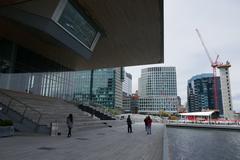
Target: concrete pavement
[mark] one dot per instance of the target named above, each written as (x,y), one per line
(99,144)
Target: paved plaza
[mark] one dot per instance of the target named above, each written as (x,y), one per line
(111,143)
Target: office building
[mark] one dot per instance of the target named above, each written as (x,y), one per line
(107,87)
(127,92)
(101,86)
(131,103)
(127,84)
(135,102)
(158,90)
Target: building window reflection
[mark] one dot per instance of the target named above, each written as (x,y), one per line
(78,26)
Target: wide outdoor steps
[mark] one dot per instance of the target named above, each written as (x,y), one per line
(52,110)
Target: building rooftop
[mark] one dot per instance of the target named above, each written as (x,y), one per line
(208,113)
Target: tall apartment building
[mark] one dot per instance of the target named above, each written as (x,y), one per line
(200,93)
(226,90)
(158,90)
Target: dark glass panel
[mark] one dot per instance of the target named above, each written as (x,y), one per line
(77,25)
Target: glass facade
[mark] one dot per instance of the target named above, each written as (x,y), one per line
(83,86)
(127,84)
(51,84)
(107,87)
(77,25)
(25,71)
(127,92)
(17,59)
(103,90)
(201,93)
(99,86)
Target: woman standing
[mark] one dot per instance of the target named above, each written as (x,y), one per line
(70,124)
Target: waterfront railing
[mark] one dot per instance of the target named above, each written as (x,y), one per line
(211,122)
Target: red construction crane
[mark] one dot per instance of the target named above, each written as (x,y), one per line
(214,65)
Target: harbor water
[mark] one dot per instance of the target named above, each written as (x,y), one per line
(203,144)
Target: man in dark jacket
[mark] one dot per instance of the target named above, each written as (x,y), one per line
(70,124)
(129,123)
(145,122)
(149,125)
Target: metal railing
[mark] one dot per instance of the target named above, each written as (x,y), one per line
(23,109)
(211,122)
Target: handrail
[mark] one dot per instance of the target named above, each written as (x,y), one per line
(25,105)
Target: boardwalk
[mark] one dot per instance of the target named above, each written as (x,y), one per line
(98,144)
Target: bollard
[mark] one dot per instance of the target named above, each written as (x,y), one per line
(54,128)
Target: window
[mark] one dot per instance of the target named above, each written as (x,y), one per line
(78,26)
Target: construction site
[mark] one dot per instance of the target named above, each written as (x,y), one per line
(225,89)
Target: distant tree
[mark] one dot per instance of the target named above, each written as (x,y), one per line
(164,114)
(173,118)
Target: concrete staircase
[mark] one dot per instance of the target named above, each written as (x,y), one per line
(97,111)
(42,111)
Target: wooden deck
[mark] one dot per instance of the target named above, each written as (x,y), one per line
(98,144)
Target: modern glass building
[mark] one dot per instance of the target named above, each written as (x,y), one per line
(107,87)
(200,92)
(127,84)
(83,85)
(101,86)
(158,90)
(127,92)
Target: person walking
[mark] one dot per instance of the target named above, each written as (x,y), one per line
(69,124)
(129,123)
(149,125)
(145,121)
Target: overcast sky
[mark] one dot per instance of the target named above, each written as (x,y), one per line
(219,24)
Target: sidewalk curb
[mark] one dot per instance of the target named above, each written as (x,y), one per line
(165,144)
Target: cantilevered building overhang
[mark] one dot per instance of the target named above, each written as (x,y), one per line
(87,34)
